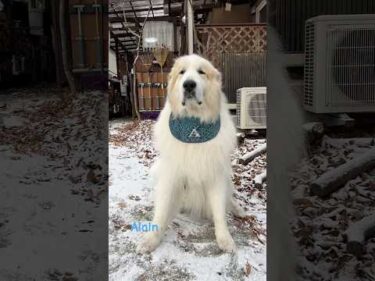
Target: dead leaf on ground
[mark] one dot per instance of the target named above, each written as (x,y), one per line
(247,269)
(121,205)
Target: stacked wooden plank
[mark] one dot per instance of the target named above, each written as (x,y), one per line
(89,35)
(152,90)
(152,80)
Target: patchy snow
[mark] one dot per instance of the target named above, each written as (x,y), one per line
(357,231)
(188,250)
(321,224)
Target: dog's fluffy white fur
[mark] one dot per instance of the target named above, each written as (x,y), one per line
(193,178)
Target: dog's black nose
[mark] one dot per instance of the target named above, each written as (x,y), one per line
(189,85)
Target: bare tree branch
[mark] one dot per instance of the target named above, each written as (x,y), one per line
(134,63)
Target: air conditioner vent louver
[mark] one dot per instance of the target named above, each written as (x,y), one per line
(309,63)
(340,64)
(251,108)
(257,108)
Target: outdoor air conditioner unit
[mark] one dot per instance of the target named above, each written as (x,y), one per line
(340,64)
(251,108)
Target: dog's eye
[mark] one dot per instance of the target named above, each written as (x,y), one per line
(182,72)
(200,71)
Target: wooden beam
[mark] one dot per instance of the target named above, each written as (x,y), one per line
(133,20)
(121,33)
(152,10)
(122,22)
(114,36)
(198,9)
(138,10)
(118,28)
(124,35)
(124,38)
(135,14)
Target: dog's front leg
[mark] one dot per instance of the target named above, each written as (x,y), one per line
(217,200)
(166,205)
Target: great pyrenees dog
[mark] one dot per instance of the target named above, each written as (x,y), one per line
(195,137)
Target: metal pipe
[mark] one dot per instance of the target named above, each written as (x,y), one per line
(190,23)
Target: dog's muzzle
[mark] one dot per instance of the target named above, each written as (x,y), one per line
(189,91)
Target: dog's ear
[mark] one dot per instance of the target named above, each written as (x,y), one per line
(172,76)
(213,73)
(218,75)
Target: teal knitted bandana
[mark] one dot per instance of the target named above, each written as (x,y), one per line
(192,130)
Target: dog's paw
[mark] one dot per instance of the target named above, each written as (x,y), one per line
(226,243)
(237,210)
(148,243)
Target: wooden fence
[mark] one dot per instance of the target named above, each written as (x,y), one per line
(238,51)
(214,40)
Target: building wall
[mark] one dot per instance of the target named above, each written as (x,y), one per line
(289,16)
(238,14)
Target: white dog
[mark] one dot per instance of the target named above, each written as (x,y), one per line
(195,136)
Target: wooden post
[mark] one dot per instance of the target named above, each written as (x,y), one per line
(55,42)
(81,39)
(99,40)
(175,35)
(64,49)
(117,57)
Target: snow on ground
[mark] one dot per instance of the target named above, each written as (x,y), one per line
(189,250)
(53,186)
(320,224)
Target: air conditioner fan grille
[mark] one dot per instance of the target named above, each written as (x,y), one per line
(353,63)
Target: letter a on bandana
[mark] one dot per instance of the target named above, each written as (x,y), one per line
(194,134)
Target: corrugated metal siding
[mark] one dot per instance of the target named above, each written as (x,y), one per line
(243,70)
(289,16)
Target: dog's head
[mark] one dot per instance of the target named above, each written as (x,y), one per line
(194,87)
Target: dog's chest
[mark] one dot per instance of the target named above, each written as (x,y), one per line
(194,200)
